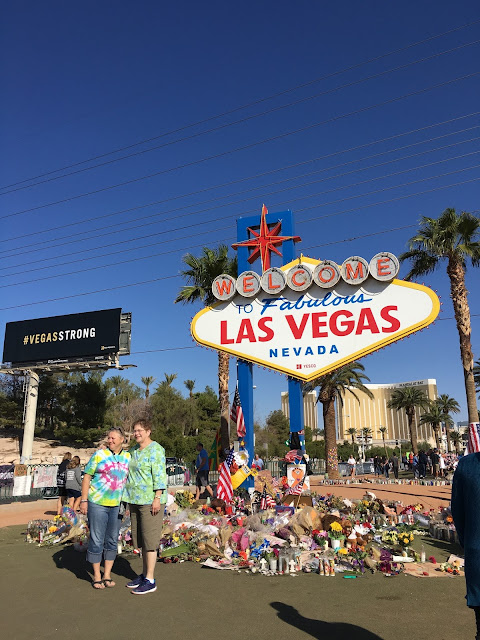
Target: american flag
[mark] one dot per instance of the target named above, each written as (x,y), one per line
(236,415)
(224,486)
(473,437)
(275,482)
(266,501)
(295,491)
(294,456)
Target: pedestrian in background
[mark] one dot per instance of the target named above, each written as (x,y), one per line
(394,462)
(73,483)
(61,479)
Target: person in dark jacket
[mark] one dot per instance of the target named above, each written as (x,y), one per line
(394,462)
(422,464)
(61,479)
(466,515)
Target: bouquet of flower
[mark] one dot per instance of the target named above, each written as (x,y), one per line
(390,536)
(405,539)
(320,537)
(184,499)
(336,531)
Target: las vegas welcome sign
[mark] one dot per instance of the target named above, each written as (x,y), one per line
(311,317)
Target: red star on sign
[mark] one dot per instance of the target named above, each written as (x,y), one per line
(265,241)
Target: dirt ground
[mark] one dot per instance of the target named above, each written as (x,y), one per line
(46,593)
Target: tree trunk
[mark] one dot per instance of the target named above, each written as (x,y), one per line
(413,430)
(449,444)
(223,377)
(330,438)
(384,445)
(147,393)
(458,293)
(436,435)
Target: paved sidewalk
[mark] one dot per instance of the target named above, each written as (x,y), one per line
(21,512)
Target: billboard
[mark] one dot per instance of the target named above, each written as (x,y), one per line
(298,323)
(76,337)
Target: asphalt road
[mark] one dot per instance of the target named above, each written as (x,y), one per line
(46,593)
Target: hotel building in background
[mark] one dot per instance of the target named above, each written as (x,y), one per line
(310,409)
(373,412)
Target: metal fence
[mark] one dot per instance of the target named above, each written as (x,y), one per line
(176,477)
(6,492)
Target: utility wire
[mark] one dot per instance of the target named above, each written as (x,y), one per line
(245,119)
(168,231)
(248,105)
(248,146)
(195,224)
(240,180)
(155,280)
(136,226)
(299,222)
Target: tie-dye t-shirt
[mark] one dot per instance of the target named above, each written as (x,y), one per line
(109,473)
(147,474)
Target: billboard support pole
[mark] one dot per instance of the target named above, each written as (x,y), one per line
(30,415)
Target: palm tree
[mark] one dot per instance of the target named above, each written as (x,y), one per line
(455,238)
(366,434)
(190,384)
(332,386)
(169,378)
(352,432)
(148,381)
(434,416)
(408,399)
(476,374)
(384,431)
(200,274)
(456,438)
(448,405)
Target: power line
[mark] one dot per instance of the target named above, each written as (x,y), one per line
(164,232)
(299,222)
(245,147)
(248,105)
(178,209)
(240,180)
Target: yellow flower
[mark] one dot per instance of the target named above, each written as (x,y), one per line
(336,526)
(343,551)
(52,529)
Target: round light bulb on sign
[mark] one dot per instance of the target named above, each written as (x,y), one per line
(299,278)
(248,284)
(384,266)
(273,280)
(326,274)
(354,270)
(223,287)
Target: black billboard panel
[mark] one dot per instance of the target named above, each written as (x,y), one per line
(78,335)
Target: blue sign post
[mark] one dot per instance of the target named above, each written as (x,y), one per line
(245,373)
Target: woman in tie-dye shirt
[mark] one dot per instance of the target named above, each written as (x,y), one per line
(102,487)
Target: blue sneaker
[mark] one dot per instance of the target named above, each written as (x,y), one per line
(145,587)
(136,582)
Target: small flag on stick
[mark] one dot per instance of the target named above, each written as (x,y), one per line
(236,415)
(224,486)
(296,490)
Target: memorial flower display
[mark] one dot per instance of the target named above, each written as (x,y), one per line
(327,534)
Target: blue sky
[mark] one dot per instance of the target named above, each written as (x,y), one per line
(79,81)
